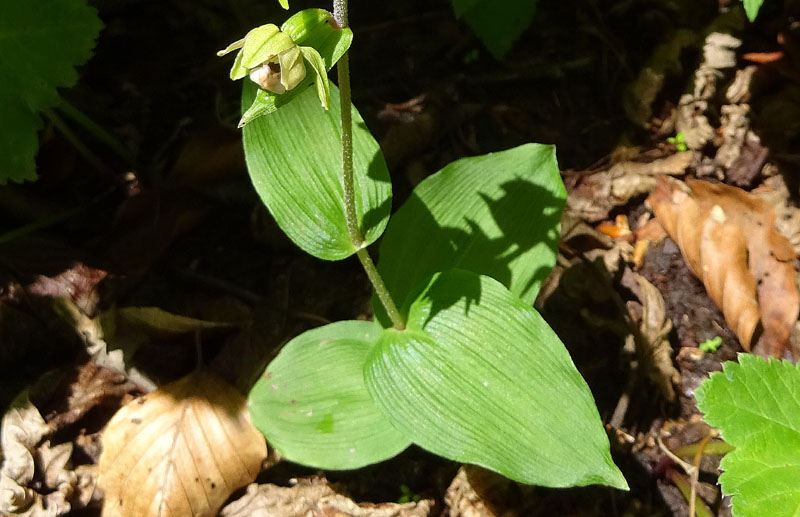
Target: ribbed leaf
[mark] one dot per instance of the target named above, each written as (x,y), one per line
(497,215)
(482,379)
(313,406)
(756,405)
(294,160)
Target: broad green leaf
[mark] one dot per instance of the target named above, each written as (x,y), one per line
(41,42)
(751,7)
(497,215)
(756,405)
(294,160)
(312,404)
(498,24)
(484,380)
(310,28)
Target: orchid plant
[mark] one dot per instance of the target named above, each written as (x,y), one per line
(457,360)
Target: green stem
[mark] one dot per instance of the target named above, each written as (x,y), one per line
(380,289)
(356,237)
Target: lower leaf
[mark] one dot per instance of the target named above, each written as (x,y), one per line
(484,380)
(313,406)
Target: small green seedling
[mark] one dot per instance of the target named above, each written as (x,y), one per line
(679,141)
(756,406)
(711,345)
(407,495)
(457,360)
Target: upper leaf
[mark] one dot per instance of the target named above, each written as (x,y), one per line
(497,215)
(497,24)
(484,380)
(313,406)
(41,42)
(756,405)
(294,160)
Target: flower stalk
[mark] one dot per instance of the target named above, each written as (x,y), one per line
(356,237)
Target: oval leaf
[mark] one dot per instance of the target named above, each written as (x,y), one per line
(180,450)
(313,406)
(496,215)
(484,380)
(294,160)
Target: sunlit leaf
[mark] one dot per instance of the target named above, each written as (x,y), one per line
(479,377)
(294,160)
(313,406)
(756,405)
(497,215)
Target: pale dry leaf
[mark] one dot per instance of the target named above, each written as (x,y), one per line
(729,241)
(476,492)
(21,431)
(180,450)
(313,498)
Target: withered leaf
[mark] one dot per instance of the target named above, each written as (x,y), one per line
(311,498)
(729,241)
(180,450)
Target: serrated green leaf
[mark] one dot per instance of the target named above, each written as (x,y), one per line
(498,24)
(313,406)
(497,215)
(484,380)
(756,405)
(41,43)
(751,7)
(294,160)
(310,28)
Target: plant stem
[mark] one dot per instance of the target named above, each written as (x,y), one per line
(380,289)
(345,102)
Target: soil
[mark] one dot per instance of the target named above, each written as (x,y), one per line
(180,227)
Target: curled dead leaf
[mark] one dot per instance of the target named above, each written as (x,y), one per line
(729,241)
(180,450)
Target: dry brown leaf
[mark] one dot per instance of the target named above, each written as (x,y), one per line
(595,195)
(476,492)
(729,241)
(653,349)
(180,450)
(313,498)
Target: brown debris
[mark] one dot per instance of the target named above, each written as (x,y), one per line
(729,241)
(313,498)
(595,195)
(476,492)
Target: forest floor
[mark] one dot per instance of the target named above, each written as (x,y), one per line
(619,87)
